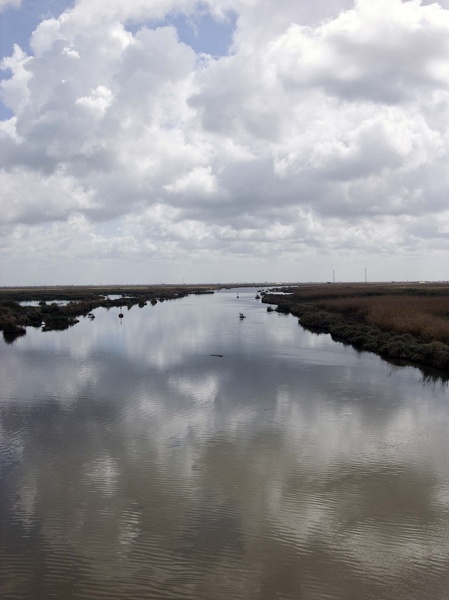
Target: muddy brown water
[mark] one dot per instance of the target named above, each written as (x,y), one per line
(136,464)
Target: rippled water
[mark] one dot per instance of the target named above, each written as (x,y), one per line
(133,464)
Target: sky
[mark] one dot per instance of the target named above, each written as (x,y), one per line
(177,141)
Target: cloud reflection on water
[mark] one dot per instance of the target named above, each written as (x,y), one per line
(300,468)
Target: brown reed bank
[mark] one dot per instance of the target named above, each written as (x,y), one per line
(408,322)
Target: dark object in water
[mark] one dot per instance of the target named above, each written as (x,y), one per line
(218,355)
(120,315)
(257,297)
(242,316)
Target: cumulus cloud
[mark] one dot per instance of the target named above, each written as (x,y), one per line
(323,130)
(386,51)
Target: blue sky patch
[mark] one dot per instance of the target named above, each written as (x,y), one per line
(205,34)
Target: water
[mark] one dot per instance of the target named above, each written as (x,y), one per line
(133,464)
(49,302)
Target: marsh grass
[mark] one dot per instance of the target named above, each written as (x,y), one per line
(424,317)
(409,323)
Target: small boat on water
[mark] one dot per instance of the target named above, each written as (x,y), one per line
(242,316)
(257,297)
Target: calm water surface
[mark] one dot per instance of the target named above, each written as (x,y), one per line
(133,464)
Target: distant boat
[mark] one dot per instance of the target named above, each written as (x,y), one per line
(257,297)
(237,295)
(242,316)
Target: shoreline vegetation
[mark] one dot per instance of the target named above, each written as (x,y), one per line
(406,323)
(402,322)
(80,301)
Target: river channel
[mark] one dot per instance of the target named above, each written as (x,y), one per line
(184,453)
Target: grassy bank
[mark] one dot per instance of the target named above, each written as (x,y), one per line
(80,301)
(397,321)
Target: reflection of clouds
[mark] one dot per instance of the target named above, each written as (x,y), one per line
(11,443)
(146,455)
(129,529)
(50,373)
(440,497)
(332,433)
(158,337)
(103,475)
(27,498)
(284,405)
(240,420)
(11,367)
(200,390)
(364,497)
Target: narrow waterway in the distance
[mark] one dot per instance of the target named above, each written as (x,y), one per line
(135,464)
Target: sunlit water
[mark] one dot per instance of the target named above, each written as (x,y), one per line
(133,464)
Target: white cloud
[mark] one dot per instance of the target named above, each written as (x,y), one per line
(200,182)
(4,4)
(385,51)
(98,101)
(14,91)
(324,130)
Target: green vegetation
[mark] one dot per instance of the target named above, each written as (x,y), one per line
(398,321)
(14,317)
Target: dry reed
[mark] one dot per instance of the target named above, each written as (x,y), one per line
(423,317)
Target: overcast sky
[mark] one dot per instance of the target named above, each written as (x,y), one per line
(147,141)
